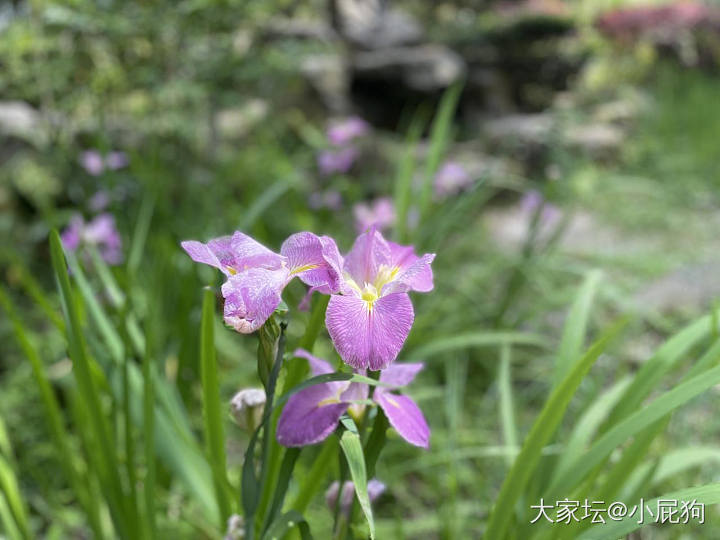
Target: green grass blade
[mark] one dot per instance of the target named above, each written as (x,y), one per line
(541,432)
(212,415)
(477,339)
(352,448)
(575,329)
(53,415)
(313,481)
(142,227)
(632,425)
(588,424)
(507,408)
(9,527)
(440,135)
(11,490)
(265,201)
(404,176)
(86,386)
(707,495)
(149,441)
(281,485)
(284,523)
(652,371)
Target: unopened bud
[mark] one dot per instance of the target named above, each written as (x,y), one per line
(235,528)
(247,408)
(375,488)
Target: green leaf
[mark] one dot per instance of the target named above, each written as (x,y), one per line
(376,441)
(507,412)
(632,425)
(352,448)
(541,432)
(477,339)
(708,494)
(83,375)
(404,175)
(440,135)
(313,481)
(284,523)
(10,489)
(9,527)
(142,227)
(268,197)
(576,324)
(652,371)
(212,415)
(283,481)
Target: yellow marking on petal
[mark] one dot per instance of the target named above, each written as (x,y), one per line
(329,401)
(392,401)
(231,270)
(385,275)
(303,268)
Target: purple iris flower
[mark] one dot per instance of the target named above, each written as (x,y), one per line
(312,414)
(92,162)
(451,179)
(99,201)
(532,200)
(342,132)
(375,489)
(116,160)
(371,318)
(100,231)
(381,213)
(257,276)
(336,161)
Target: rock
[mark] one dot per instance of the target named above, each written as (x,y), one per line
(598,140)
(369,25)
(20,120)
(237,122)
(427,68)
(328,77)
(689,288)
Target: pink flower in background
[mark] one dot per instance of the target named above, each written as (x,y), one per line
(451,178)
(116,160)
(375,489)
(95,164)
(100,232)
(92,162)
(99,201)
(336,161)
(532,200)
(345,131)
(330,199)
(380,213)
(371,318)
(257,276)
(312,414)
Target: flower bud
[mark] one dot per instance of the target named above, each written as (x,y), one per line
(247,407)
(375,488)
(235,528)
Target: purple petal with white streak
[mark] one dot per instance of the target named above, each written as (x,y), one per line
(369,251)
(399,375)
(405,416)
(305,421)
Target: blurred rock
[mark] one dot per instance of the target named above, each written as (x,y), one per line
(386,82)
(237,122)
(21,121)
(689,288)
(369,25)
(598,140)
(328,77)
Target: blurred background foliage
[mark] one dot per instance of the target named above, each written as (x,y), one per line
(589,130)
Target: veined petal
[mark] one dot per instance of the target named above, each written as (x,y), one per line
(414,273)
(369,334)
(399,375)
(318,366)
(405,416)
(309,416)
(368,253)
(307,258)
(232,254)
(251,297)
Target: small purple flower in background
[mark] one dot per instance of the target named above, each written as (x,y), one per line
(375,489)
(345,131)
(371,318)
(451,178)
(380,213)
(99,201)
(312,414)
(94,163)
(336,161)
(330,199)
(257,276)
(116,160)
(100,232)
(532,200)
